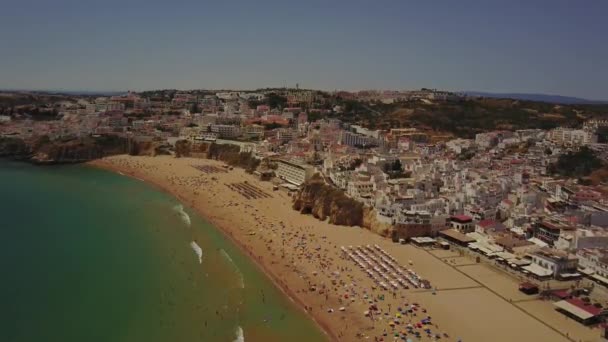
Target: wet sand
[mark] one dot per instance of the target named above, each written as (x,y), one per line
(303,257)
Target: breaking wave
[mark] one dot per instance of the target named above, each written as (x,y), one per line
(184,215)
(240,337)
(236,268)
(198,251)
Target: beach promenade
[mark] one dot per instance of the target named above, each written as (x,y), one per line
(304,257)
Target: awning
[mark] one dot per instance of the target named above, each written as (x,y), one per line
(600,279)
(573,309)
(537,270)
(505,255)
(586,271)
(520,262)
(570,275)
(538,242)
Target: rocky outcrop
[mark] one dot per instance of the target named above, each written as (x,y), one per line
(230,154)
(371,222)
(14,148)
(326,202)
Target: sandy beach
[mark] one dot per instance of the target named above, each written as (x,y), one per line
(304,257)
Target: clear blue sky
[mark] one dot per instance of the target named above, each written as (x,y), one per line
(552,46)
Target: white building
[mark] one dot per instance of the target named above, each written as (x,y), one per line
(253,132)
(226,131)
(572,137)
(356,140)
(458,145)
(292,172)
(554,263)
(594,260)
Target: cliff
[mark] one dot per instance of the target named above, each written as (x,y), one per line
(328,203)
(14,148)
(43,151)
(229,154)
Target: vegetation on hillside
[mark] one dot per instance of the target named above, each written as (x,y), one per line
(467,117)
(576,164)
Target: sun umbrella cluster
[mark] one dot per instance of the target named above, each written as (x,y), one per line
(383,268)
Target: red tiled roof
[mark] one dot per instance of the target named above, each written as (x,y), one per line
(462,217)
(486,223)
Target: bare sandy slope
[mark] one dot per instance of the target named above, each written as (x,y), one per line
(299,253)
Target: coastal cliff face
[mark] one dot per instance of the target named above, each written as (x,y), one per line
(229,154)
(370,222)
(43,151)
(325,202)
(13,147)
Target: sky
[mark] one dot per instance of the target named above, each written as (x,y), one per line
(552,47)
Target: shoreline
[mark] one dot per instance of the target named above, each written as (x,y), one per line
(278,283)
(304,259)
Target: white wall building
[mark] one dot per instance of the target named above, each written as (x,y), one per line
(292,172)
(226,131)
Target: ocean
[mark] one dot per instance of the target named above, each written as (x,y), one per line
(89,255)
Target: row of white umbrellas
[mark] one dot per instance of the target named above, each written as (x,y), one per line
(382,267)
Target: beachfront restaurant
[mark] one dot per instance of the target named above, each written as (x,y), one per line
(456,237)
(580,311)
(483,246)
(423,241)
(537,271)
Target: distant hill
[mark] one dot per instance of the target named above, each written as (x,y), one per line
(537,97)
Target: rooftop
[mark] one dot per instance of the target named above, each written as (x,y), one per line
(462,218)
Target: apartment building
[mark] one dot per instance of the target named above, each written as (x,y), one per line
(572,137)
(293,172)
(226,131)
(357,140)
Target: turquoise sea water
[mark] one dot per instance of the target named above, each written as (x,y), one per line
(88,255)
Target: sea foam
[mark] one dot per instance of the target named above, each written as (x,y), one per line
(236,268)
(198,251)
(182,214)
(240,337)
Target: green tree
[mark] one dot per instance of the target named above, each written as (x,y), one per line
(397,165)
(276,101)
(194,108)
(576,164)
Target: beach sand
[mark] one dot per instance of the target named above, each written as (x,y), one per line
(299,252)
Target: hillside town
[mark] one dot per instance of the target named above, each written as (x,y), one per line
(499,194)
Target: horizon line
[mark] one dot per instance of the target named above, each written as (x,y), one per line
(497,93)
